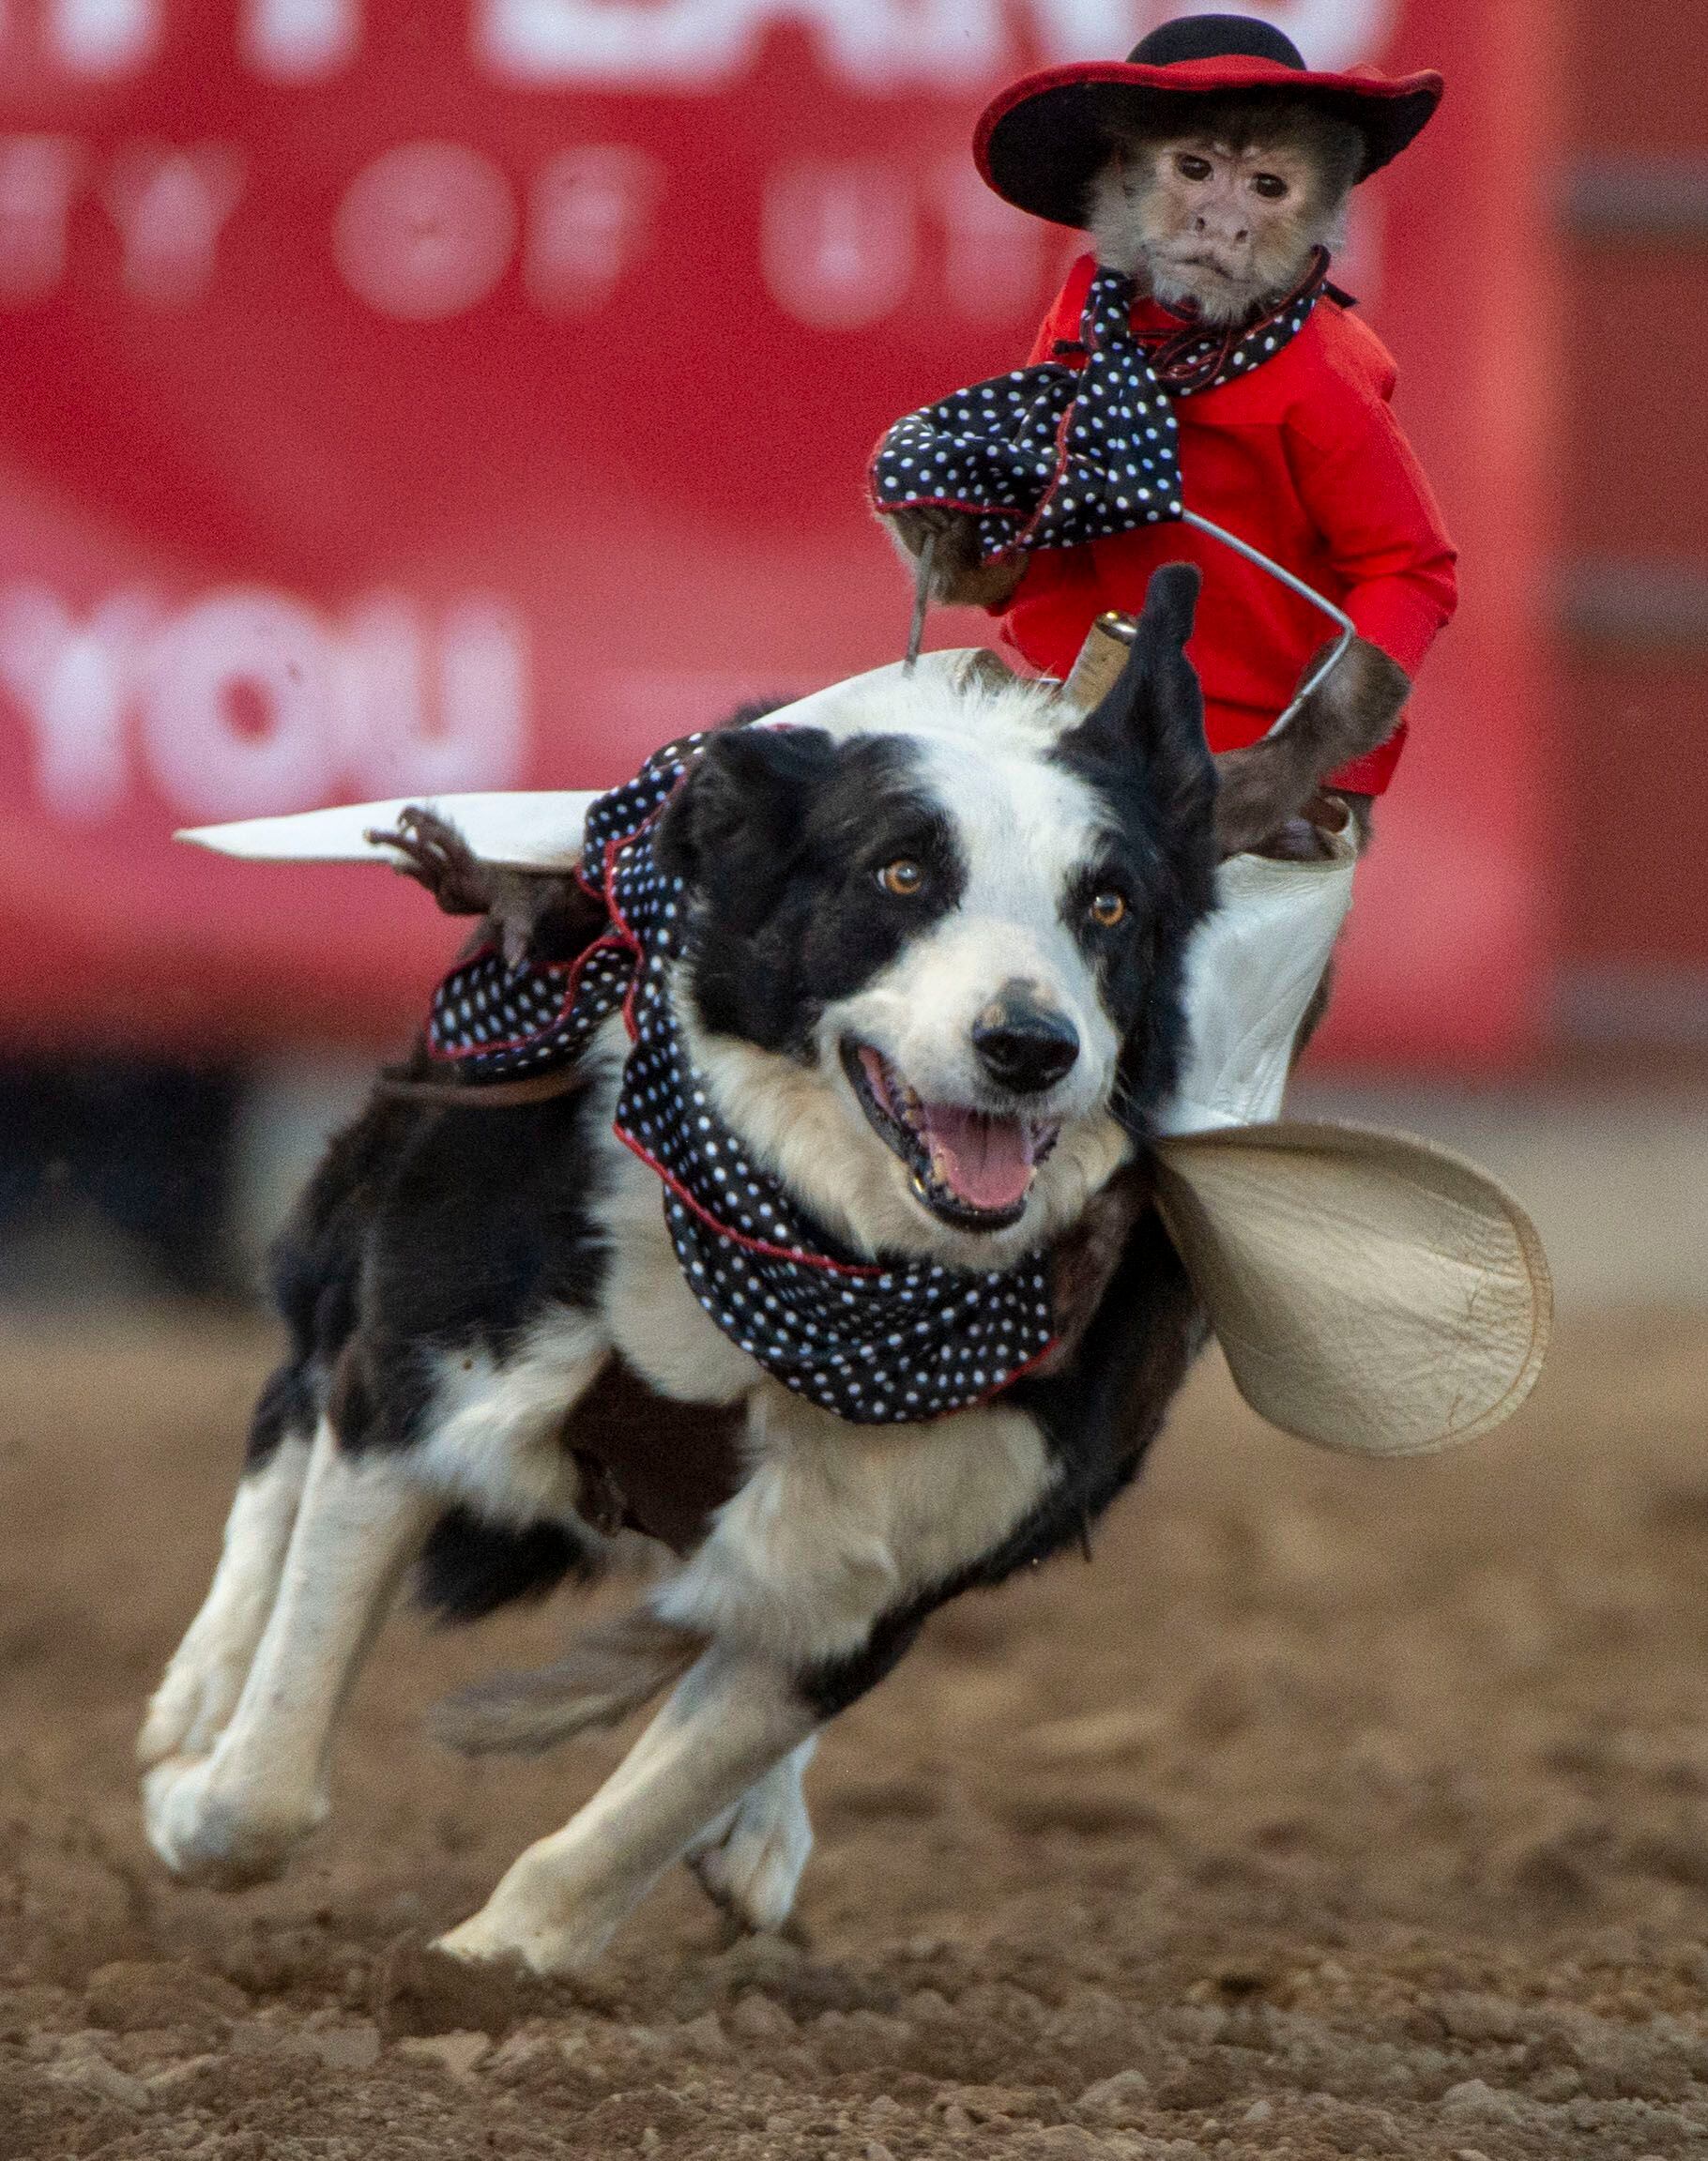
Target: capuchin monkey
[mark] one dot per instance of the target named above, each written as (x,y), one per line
(1222,217)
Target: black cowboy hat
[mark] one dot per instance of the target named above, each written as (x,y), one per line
(1040,143)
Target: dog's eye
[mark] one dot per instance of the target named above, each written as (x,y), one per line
(1107,909)
(1191,168)
(1271,186)
(904,877)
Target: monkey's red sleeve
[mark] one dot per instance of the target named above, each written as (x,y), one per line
(1360,481)
(1302,457)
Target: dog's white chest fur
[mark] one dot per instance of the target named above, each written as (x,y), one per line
(649,1311)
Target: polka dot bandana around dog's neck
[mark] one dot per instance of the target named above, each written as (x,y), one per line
(1052,456)
(873,1343)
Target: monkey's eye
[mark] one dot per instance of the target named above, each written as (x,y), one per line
(1271,186)
(1109,908)
(1193,168)
(904,877)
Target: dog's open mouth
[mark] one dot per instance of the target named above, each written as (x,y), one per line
(972,1168)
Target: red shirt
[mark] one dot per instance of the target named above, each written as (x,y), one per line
(1302,457)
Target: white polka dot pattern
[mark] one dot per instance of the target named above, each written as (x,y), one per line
(873,1343)
(1052,456)
(493,1022)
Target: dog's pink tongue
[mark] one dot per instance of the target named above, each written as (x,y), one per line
(987,1161)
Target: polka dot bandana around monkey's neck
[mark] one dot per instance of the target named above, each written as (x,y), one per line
(876,1343)
(1055,455)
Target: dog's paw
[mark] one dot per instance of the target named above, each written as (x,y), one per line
(505,1938)
(547,1915)
(190,1710)
(754,1869)
(210,1829)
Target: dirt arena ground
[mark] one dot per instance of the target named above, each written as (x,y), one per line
(1335,1809)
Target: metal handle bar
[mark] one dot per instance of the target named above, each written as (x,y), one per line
(922,602)
(1263,562)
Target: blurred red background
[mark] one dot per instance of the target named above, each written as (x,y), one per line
(412,397)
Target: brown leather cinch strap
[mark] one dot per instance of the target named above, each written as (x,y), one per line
(484,1095)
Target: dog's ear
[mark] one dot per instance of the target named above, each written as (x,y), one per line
(1154,714)
(736,824)
(1172,603)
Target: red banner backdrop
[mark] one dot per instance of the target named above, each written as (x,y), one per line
(402,398)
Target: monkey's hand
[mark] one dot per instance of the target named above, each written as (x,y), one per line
(958,578)
(523,908)
(431,851)
(1263,787)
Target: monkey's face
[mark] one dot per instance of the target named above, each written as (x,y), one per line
(1225,220)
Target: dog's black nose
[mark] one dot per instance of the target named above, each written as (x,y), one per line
(1025,1045)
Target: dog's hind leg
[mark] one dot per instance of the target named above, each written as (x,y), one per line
(728,1724)
(198,1690)
(749,1861)
(234,1817)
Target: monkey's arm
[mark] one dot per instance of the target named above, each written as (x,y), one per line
(1363,488)
(958,578)
(1261,788)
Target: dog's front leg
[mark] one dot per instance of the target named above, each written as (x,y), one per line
(751,1859)
(198,1690)
(729,1721)
(235,1815)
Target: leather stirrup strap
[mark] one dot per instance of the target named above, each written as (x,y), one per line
(484,1095)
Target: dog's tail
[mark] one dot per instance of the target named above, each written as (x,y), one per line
(609,1671)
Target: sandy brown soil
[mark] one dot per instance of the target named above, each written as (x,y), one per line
(1337,1809)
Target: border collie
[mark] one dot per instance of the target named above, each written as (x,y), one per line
(926,978)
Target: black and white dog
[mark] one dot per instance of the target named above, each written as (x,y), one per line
(923,987)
